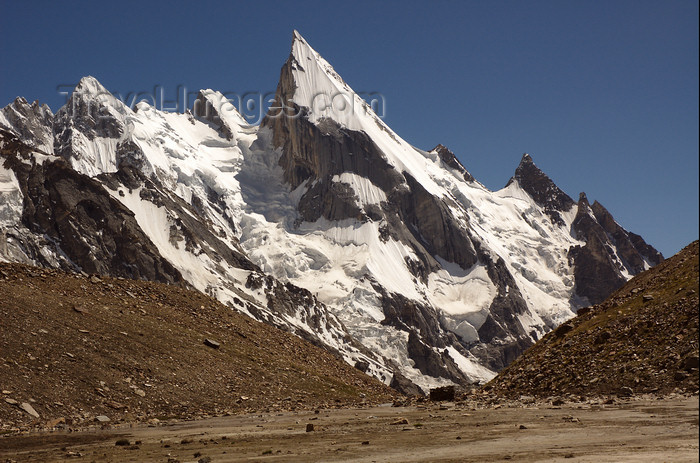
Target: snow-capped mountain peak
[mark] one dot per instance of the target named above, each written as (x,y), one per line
(318,87)
(322,221)
(91,85)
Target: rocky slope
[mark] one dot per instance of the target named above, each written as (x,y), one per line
(643,338)
(321,221)
(75,347)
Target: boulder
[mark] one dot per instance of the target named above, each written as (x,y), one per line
(444,393)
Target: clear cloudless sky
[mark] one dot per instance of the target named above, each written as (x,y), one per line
(602,94)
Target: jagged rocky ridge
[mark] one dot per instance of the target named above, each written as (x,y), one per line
(322,221)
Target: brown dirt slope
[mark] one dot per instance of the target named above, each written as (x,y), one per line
(643,338)
(75,347)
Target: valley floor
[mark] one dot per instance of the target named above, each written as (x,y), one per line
(635,430)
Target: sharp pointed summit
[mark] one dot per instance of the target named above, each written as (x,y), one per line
(317,86)
(297,36)
(526,159)
(89,84)
(542,189)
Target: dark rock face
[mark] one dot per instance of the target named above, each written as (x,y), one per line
(330,199)
(645,249)
(450,160)
(437,230)
(343,151)
(630,247)
(502,336)
(129,155)
(84,223)
(596,271)
(425,336)
(407,315)
(432,363)
(542,189)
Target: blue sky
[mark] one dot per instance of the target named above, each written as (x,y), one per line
(602,94)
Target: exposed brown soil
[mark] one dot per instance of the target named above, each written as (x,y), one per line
(630,431)
(75,347)
(642,339)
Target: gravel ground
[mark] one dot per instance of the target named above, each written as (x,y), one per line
(634,430)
